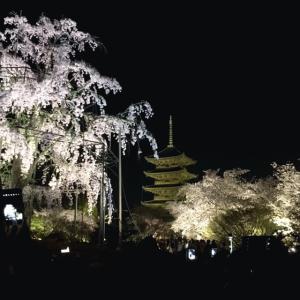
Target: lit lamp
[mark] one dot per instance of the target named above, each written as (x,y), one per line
(230,243)
(191,254)
(66,250)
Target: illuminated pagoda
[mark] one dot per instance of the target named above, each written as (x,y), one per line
(169,174)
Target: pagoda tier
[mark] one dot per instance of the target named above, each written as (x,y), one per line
(162,192)
(175,176)
(169,175)
(180,160)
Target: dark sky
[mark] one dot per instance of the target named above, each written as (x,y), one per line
(229,75)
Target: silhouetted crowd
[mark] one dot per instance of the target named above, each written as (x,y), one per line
(154,264)
(201,249)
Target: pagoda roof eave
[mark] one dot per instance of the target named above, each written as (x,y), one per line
(162,190)
(154,174)
(180,160)
(153,204)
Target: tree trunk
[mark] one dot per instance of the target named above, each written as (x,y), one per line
(15,177)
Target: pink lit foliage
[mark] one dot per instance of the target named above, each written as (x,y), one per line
(286,206)
(47,125)
(222,204)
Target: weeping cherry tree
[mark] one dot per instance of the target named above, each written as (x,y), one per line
(47,127)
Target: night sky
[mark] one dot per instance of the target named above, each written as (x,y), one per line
(228,75)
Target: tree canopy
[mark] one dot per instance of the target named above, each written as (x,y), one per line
(228,203)
(53,120)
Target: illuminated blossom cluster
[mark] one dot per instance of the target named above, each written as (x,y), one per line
(286,207)
(14,144)
(227,203)
(46,120)
(202,202)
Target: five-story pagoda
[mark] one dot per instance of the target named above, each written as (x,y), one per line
(169,174)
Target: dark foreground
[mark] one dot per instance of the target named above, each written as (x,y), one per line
(31,268)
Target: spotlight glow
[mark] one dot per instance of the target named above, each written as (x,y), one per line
(66,250)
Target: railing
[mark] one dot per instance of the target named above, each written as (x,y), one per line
(10,75)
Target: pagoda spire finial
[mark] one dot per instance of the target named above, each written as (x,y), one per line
(170,132)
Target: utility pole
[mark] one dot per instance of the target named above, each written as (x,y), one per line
(102,206)
(103,197)
(76,206)
(120,190)
(75,212)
